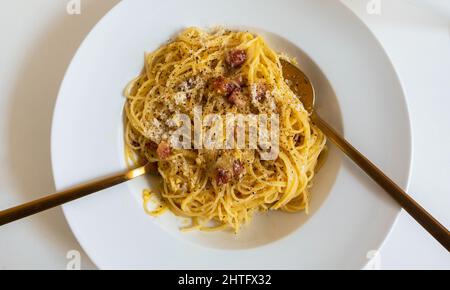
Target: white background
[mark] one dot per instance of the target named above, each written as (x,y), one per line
(38,39)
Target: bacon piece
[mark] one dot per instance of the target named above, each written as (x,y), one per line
(163,150)
(223,86)
(236,58)
(236,98)
(238,169)
(223,176)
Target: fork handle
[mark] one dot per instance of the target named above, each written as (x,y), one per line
(437,230)
(56,199)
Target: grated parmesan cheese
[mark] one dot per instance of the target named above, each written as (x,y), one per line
(174,122)
(155,131)
(180,98)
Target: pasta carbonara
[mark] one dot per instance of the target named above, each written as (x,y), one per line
(221,72)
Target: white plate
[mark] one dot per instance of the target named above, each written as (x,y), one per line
(358,92)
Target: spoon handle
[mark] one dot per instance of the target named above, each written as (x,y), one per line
(56,199)
(437,230)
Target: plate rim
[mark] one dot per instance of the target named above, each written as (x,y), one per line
(409,124)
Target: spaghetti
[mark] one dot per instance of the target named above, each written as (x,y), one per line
(224,72)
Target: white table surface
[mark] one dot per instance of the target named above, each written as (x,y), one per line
(38,39)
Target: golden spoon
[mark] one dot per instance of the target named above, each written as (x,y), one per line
(56,199)
(301,86)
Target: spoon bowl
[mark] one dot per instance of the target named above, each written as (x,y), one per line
(299,84)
